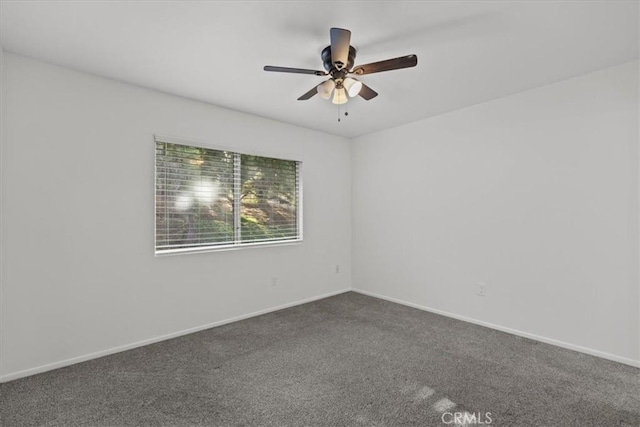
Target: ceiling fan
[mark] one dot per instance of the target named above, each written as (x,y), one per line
(338,60)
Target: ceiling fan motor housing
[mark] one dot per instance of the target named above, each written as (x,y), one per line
(328,63)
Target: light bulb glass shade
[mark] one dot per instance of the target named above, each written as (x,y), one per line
(352,86)
(325,88)
(339,96)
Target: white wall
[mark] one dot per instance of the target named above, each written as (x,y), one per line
(535,194)
(79,273)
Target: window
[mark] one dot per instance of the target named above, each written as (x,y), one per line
(210,199)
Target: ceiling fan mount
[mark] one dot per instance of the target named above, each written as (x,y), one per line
(338,60)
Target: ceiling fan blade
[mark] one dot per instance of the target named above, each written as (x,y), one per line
(340,42)
(367,93)
(309,94)
(388,65)
(293,70)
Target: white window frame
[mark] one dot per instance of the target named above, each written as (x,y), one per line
(237,243)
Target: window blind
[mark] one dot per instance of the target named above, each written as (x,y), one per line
(207,198)
(269,198)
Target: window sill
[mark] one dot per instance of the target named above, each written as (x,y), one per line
(184,251)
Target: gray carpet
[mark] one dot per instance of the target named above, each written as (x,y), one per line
(349,360)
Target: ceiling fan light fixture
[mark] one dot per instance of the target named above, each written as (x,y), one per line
(325,88)
(340,96)
(352,86)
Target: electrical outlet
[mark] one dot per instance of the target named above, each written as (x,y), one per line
(337,268)
(481,289)
(274,281)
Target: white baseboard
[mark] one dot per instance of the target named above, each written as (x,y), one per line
(590,351)
(72,361)
(67,362)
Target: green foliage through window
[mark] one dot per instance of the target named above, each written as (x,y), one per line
(211,198)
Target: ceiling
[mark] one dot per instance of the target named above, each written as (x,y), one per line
(468,52)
